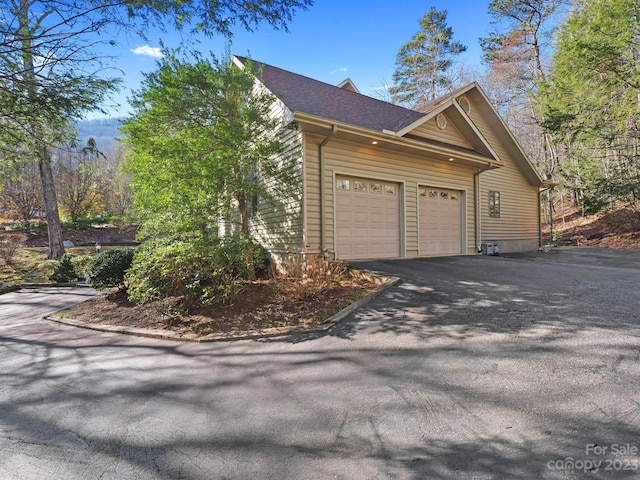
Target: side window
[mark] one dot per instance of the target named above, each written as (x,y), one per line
(494,204)
(253,205)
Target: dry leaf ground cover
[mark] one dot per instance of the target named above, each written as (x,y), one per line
(279,303)
(618,229)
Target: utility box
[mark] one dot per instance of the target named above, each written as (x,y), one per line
(489,248)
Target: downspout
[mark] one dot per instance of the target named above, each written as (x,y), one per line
(334,130)
(477,205)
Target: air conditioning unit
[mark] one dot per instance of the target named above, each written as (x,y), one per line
(489,248)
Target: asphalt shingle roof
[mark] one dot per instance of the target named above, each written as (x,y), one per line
(306,95)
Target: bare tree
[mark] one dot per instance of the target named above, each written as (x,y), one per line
(518,56)
(50,73)
(77,181)
(114,183)
(21,189)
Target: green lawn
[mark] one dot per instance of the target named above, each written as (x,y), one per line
(31,265)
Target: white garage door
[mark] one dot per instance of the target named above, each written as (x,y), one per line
(367,218)
(440,221)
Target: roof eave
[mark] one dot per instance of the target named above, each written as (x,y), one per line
(532,175)
(307,122)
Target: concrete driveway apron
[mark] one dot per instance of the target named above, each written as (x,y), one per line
(471,368)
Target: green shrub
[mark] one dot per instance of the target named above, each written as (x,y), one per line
(232,254)
(261,258)
(594,203)
(63,270)
(89,221)
(79,262)
(108,268)
(198,271)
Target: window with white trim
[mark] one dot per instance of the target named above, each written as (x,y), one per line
(494,204)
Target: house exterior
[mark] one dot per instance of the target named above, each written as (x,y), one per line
(376,180)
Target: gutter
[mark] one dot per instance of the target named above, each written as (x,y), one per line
(334,130)
(477,205)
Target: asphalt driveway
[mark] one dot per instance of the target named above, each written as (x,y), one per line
(471,368)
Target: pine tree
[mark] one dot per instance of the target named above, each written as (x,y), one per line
(423,65)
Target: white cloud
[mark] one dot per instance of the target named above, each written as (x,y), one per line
(340,70)
(148,51)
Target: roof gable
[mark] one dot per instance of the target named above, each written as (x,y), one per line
(342,105)
(347,84)
(306,95)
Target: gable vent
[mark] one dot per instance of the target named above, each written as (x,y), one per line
(465,104)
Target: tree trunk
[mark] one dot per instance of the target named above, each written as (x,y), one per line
(56,242)
(246,234)
(56,245)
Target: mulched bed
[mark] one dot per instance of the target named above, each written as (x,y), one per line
(260,305)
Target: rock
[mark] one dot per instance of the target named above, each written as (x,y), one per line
(68,244)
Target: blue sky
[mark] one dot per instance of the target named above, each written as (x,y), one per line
(330,41)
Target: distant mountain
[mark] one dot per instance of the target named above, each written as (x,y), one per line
(104,131)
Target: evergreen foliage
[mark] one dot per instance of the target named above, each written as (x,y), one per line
(107,269)
(197,271)
(204,143)
(63,270)
(591,102)
(423,65)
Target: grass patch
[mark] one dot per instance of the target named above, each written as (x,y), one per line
(31,265)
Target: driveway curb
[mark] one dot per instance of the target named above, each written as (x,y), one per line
(252,335)
(32,286)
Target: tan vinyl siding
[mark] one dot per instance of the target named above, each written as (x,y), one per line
(518,207)
(448,135)
(278,224)
(347,158)
(518,198)
(312,194)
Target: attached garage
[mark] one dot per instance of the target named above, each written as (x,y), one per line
(367,218)
(440,221)
(378,180)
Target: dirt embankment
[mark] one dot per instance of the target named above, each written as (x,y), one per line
(616,229)
(103,234)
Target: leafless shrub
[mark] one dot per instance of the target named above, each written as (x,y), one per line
(312,273)
(9,246)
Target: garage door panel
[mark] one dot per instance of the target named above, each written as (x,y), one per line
(389,218)
(344,217)
(360,219)
(360,234)
(368,218)
(360,202)
(440,221)
(376,235)
(375,203)
(344,201)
